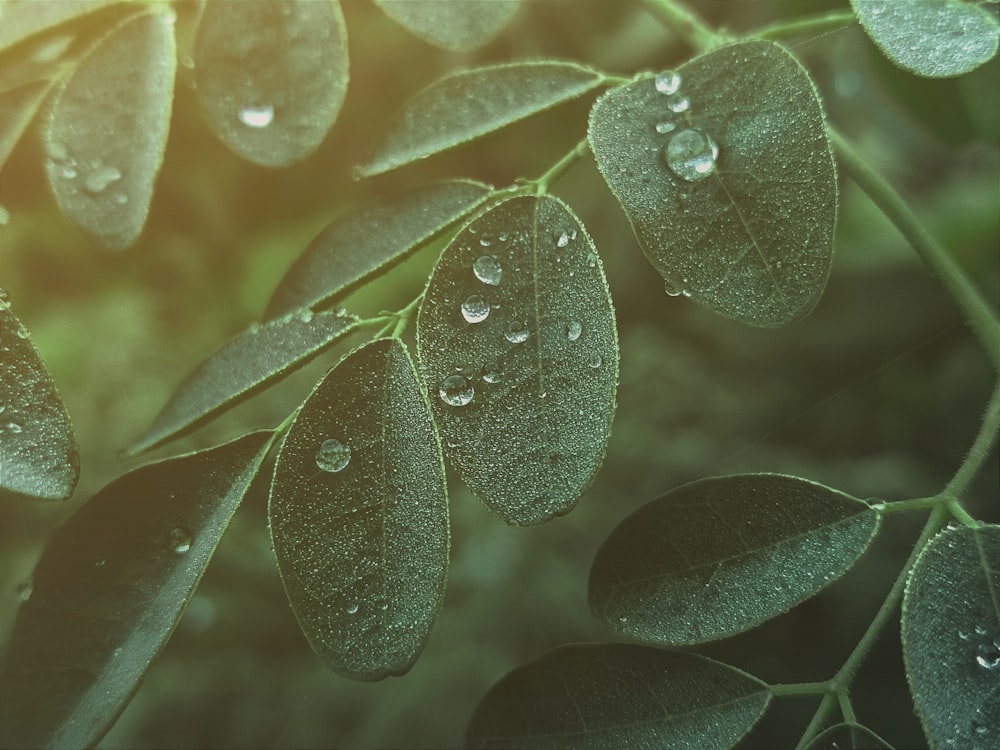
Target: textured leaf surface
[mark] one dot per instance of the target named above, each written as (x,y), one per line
(748,232)
(271,76)
(933,38)
(615,695)
(38,454)
(471,103)
(721,555)
(359,515)
(848,737)
(457,25)
(109,590)
(517,342)
(356,246)
(951,637)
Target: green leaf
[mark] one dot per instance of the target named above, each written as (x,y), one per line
(933,38)
(735,201)
(517,343)
(951,637)
(271,77)
(359,515)
(457,25)
(17,109)
(110,589)
(38,455)
(370,240)
(611,695)
(253,360)
(25,18)
(471,103)
(722,555)
(848,737)
(107,129)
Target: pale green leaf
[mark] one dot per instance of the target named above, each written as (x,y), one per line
(610,695)
(848,737)
(17,109)
(109,590)
(517,343)
(359,515)
(26,18)
(457,25)
(747,232)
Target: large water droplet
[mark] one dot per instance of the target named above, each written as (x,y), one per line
(492,372)
(475,309)
(333,455)
(691,154)
(179,540)
(573,330)
(988,656)
(488,270)
(456,390)
(257,117)
(665,126)
(668,82)
(678,103)
(98,179)
(671,289)
(516,333)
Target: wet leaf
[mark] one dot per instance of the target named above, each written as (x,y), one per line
(728,181)
(110,589)
(616,695)
(517,343)
(471,103)
(457,25)
(951,637)
(848,737)
(359,515)
(271,77)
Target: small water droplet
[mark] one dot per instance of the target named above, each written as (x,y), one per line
(980,727)
(98,179)
(516,333)
(492,372)
(484,242)
(100,562)
(678,103)
(980,629)
(475,309)
(14,427)
(120,198)
(691,154)
(341,312)
(24,589)
(573,329)
(668,82)
(456,390)
(488,270)
(591,260)
(179,540)
(257,117)
(333,455)
(563,240)
(306,315)
(596,361)
(665,126)
(58,151)
(21,332)
(352,609)
(988,656)
(671,289)
(384,606)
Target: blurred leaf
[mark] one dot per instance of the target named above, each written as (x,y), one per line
(978,91)
(517,343)
(456,25)
(951,637)
(109,590)
(371,239)
(471,103)
(271,77)
(17,109)
(359,515)
(615,695)
(848,737)
(725,172)
(25,18)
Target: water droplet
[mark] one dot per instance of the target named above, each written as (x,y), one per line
(484,242)
(179,540)
(591,260)
(980,629)
(352,609)
(333,455)
(596,361)
(563,240)
(492,372)
(341,312)
(573,330)
(668,82)
(988,656)
(257,117)
(58,151)
(384,606)
(120,198)
(306,315)
(488,270)
(100,562)
(691,155)
(14,427)
(98,179)
(665,126)
(456,390)
(980,727)
(516,333)
(24,589)
(678,103)
(475,309)
(672,289)
(66,171)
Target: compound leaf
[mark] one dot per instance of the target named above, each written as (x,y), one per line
(457,25)
(517,343)
(725,172)
(848,737)
(721,555)
(359,515)
(606,695)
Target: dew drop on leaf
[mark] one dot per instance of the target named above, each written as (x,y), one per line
(562,240)
(456,390)
(517,332)
(333,456)
(678,103)
(573,330)
(492,372)
(668,82)
(665,126)
(596,361)
(488,270)
(988,656)
(353,609)
(257,117)
(179,540)
(475,309)
(13,427)
(691,155)
(99,178)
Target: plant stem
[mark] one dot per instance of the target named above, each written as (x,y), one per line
(901,506)
(541,184)
(685,23)
(800,688)
(805,25)
(980,449)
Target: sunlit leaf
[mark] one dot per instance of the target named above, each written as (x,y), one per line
(25,18)
(359,515)
(619,696)
(109,590)
(848,737)
(371,239)
(17,109)
(271,76)
(470,103)
(457,25)
(725,172)
(951,637)
(517,343)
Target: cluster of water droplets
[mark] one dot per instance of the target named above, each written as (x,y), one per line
(93,176)
(333,456)
(987,647)
(690,153)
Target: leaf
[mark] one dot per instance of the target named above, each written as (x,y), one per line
(38,454)
(951,637)
(456,25)
(17,109)
(25,18)
(932,38)
(271,77)
(359,515)
(107,129)
(471,103)
(605,695)
(109,590)
(253,360)
(722,555)
(735,203)
(848,737)
(517,344)
(372,239)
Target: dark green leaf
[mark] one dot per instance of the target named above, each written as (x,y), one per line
(729,181)
(848,737)
(109,590)
(721,555)
(359,515)
(272,75)
(471,103)
(619,696)
(457,25)
(517,343)
(951,637)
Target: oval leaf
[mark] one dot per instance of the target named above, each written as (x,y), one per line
(38,454)
(848,737)
(606,695)
(371,239)
(271,77)
(107,129)
(951,637)
(726,174)
(721,555)
(932,38)
(109,590)
(359,515)
(517,343)
(471,103)
(457,25)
